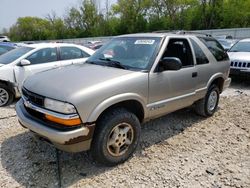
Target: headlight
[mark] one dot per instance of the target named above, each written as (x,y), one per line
(59,106)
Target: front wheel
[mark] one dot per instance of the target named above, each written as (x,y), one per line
(208,105)
(116,137)
(6,96)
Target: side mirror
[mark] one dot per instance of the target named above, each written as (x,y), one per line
(25,62)
(170,63)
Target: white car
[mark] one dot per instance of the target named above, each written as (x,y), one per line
(239,56)
(18,64)
(4,39)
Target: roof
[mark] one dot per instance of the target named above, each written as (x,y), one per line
(50,45)
(166,33)
(10,44)
(245,40)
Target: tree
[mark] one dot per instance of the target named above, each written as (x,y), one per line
(132,14)
(30,28)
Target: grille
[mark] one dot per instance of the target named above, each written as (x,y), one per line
(240,64)
(32,97)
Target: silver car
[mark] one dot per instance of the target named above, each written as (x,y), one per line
(101,104)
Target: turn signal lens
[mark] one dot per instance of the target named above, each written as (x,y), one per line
(67,122)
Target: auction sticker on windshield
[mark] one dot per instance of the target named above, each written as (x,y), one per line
(150,42)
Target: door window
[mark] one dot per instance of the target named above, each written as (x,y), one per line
(43,56)
(72,53)
(180,48)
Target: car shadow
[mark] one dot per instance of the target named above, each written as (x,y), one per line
(240,82)
(34,163)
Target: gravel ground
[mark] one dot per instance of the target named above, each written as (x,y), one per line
(178,150)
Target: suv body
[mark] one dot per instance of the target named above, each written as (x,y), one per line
(18,64)
(239,56)
(104,108)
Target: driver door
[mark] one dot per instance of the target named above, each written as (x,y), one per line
(172,90)
(40,60)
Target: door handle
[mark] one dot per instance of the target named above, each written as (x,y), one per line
(194,74)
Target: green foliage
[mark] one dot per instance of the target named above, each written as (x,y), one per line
(130,16)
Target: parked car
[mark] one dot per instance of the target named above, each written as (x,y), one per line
(134,78)
(94,42)
(223,37)
(227,43)
(4,39)
(6,46)
(239,55)
(94,45)
(18,64)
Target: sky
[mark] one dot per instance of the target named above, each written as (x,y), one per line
(10,10)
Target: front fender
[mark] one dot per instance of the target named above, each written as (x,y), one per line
(7,74)
(114,100)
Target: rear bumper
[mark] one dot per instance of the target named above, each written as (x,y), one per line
(226,83)
(75,140)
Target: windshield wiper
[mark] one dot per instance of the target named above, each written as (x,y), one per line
(114,63)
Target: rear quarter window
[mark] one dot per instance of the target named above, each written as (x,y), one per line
(200,57)
(215,48)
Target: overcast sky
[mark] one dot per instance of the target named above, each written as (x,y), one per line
(10,10)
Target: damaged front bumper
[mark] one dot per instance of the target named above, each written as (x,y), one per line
(75,140)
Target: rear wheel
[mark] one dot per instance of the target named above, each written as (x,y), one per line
(208,105)
(6,96)
(116,137)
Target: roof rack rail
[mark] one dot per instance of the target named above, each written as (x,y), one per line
(183,32)
(193,33)
(163,31)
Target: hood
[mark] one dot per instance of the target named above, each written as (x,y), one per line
(239,56)
(1,65)
(62,83)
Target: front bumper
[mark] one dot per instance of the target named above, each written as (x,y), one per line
(238,72)
(227,83)
(75,140)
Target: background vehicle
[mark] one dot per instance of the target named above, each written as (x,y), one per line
(223,37)
(239,56)
(134,78)
(6,46)
(227,43)
(4,39)
(18,64)
(94,45)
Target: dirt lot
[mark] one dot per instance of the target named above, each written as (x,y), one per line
(177,150)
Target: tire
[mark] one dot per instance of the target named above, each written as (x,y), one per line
(208,105)
(6,95)
(117,128)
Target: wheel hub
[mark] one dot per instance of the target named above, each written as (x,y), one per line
(212,100)
(4,96)
(120,138)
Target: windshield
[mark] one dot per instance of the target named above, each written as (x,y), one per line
(13,55)
(241,47)
(127,52)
